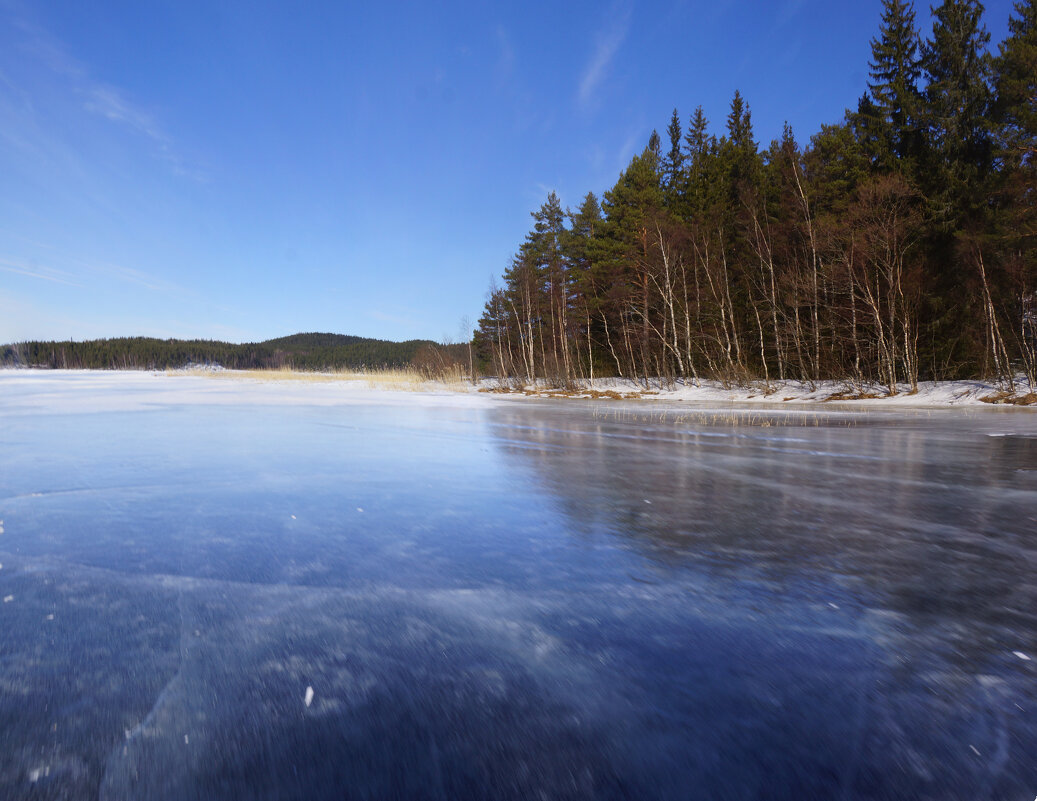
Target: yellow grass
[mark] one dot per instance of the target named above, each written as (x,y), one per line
(398,379)
(1012,398)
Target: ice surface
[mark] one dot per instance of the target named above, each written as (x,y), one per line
(551,599)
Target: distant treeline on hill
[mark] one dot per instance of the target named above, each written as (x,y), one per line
(300,352)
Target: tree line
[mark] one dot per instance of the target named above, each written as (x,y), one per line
(300,352)
(897,244)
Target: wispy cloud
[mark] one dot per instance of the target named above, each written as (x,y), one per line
(79,272)
(111,103)
(100,98)
(129,275)
(505,65)
(628,148)
(108,102)
(608,40)
(392,318)
(19,267)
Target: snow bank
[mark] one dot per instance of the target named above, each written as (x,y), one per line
(929,394)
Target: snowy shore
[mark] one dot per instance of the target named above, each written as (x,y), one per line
(100,390)
(929,394)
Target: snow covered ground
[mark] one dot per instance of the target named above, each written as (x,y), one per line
(102,390)
(137,390)
(930,393)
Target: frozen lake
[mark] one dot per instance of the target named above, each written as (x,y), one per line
(222,589)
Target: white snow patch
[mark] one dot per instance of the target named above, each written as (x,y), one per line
(929,394)
(8,599)
(1021,655)
(308,699)
(49,617)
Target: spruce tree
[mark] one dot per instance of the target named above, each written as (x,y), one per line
(697,138)
(1015,108)
(699,165)
(1015,113)
(958,97)
(895,70)
(673,167)
(739,150)
(870,131)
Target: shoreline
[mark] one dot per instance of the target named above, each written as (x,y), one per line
(930,394)
(324,387)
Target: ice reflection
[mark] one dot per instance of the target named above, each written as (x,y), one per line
(226,599)
(935,518)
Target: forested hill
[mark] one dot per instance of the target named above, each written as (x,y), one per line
(300,351)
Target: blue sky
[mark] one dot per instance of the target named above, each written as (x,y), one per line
(246,170)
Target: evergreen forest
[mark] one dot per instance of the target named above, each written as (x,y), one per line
(897,244)
(299,352)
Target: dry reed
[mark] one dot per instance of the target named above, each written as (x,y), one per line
(402,379)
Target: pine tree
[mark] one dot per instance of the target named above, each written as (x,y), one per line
(582,247)
(631,208)
(655,148)
(895,70)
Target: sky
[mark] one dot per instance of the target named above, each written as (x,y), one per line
(248,170)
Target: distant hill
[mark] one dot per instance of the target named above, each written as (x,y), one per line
(314,351)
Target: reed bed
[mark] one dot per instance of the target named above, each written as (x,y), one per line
(403,379)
